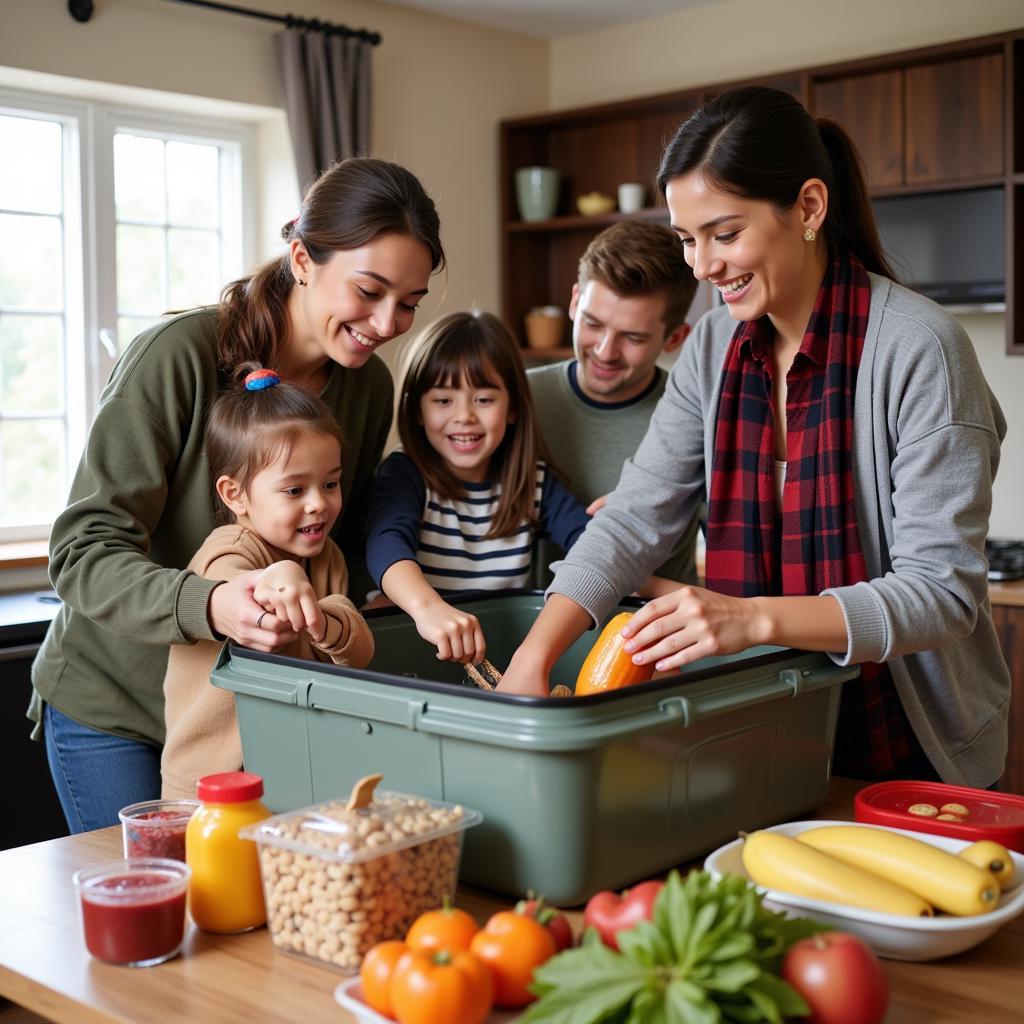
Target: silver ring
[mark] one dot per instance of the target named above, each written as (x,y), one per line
(260,619)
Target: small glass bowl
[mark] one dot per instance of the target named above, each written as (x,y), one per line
(156,828)
(133,911)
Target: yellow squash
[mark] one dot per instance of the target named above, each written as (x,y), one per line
(946,881)
(779,862)
(608,666)
(991,857)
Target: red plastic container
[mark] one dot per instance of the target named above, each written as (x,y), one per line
(995,816)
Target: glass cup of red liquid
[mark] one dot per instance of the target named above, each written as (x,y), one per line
(133,911)
(156,828)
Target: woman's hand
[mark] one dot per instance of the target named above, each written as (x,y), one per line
(560,623)
(234,613)
(692,623)
(524,676)
(284,590)
(456,634)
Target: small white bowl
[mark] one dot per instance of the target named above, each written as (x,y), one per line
(889,935)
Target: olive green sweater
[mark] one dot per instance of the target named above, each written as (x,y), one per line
(141,506)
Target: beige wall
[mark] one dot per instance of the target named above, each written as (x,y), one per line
(440,87)
(733,39)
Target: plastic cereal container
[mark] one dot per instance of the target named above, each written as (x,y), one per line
(156,828)
(341,876)
(133,911)
(960,812)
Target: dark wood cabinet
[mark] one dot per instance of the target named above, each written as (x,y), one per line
(955,120)
(1009,623)
(939,119)
(870,108)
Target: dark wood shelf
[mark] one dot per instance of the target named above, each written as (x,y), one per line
(575,221)
(891,191)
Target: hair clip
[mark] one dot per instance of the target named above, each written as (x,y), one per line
(260,380)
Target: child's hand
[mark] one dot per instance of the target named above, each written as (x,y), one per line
(284,590)
(456,634)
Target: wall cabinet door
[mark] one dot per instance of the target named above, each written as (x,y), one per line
(954,116)
(1009,623)
(870,108)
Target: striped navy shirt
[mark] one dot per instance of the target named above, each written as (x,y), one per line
(445,537)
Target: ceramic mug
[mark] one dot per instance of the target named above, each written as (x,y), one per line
(536,192)
(631,197)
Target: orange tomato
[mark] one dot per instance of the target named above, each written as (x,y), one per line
(448,928)
(375,975)
(512,945)
(441,988)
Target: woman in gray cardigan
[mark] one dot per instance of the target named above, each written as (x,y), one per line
(846,441)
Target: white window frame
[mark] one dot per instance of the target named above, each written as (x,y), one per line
(90,277)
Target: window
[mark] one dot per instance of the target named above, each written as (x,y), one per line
(109,218)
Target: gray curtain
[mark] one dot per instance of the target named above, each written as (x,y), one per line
(326,84)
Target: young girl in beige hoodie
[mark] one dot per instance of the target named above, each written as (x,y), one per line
(275,456)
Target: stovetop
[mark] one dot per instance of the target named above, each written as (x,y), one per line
(1005,559)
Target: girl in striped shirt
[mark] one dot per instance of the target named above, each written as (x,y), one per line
(459,507)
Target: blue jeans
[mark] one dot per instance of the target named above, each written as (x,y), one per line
(97,774)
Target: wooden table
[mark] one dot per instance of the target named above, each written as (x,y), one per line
(241,978)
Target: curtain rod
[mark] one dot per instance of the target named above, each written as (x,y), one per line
(82,10)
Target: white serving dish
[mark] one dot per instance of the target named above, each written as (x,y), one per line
(349,994)
(889,935)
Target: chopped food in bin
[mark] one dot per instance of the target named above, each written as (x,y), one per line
(923,810)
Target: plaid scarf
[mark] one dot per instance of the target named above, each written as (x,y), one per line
(812,542)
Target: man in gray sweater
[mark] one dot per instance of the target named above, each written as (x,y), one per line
(628,307)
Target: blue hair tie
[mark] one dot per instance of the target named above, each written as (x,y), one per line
(260,380)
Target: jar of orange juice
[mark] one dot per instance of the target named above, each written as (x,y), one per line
(225,891)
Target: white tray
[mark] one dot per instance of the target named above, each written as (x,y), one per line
(349,994)
(889,935)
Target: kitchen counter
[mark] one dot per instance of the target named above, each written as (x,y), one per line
(242,979)
(1009,593)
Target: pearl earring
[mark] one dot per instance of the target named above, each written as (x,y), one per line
(810,235)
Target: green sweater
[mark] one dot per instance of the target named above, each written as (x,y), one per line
(141,506)
(589,442)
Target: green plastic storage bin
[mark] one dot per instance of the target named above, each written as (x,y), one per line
(577,795)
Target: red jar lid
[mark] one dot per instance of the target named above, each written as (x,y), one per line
(230,787)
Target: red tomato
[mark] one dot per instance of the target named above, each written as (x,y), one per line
(554,920)
(841,979)
(440,988)
(610,913)
(448,928)
(375,975)
(512,945)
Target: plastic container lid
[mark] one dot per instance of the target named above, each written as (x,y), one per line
(230,787)
(393,821)
(990,815)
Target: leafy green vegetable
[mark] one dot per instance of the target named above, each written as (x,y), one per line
(711,955)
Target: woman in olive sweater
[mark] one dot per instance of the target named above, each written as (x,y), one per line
(360,255)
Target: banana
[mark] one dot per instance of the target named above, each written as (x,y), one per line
(991,857)
(779,862)
(948,882)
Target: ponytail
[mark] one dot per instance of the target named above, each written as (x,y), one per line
(850,224)
(760,143)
